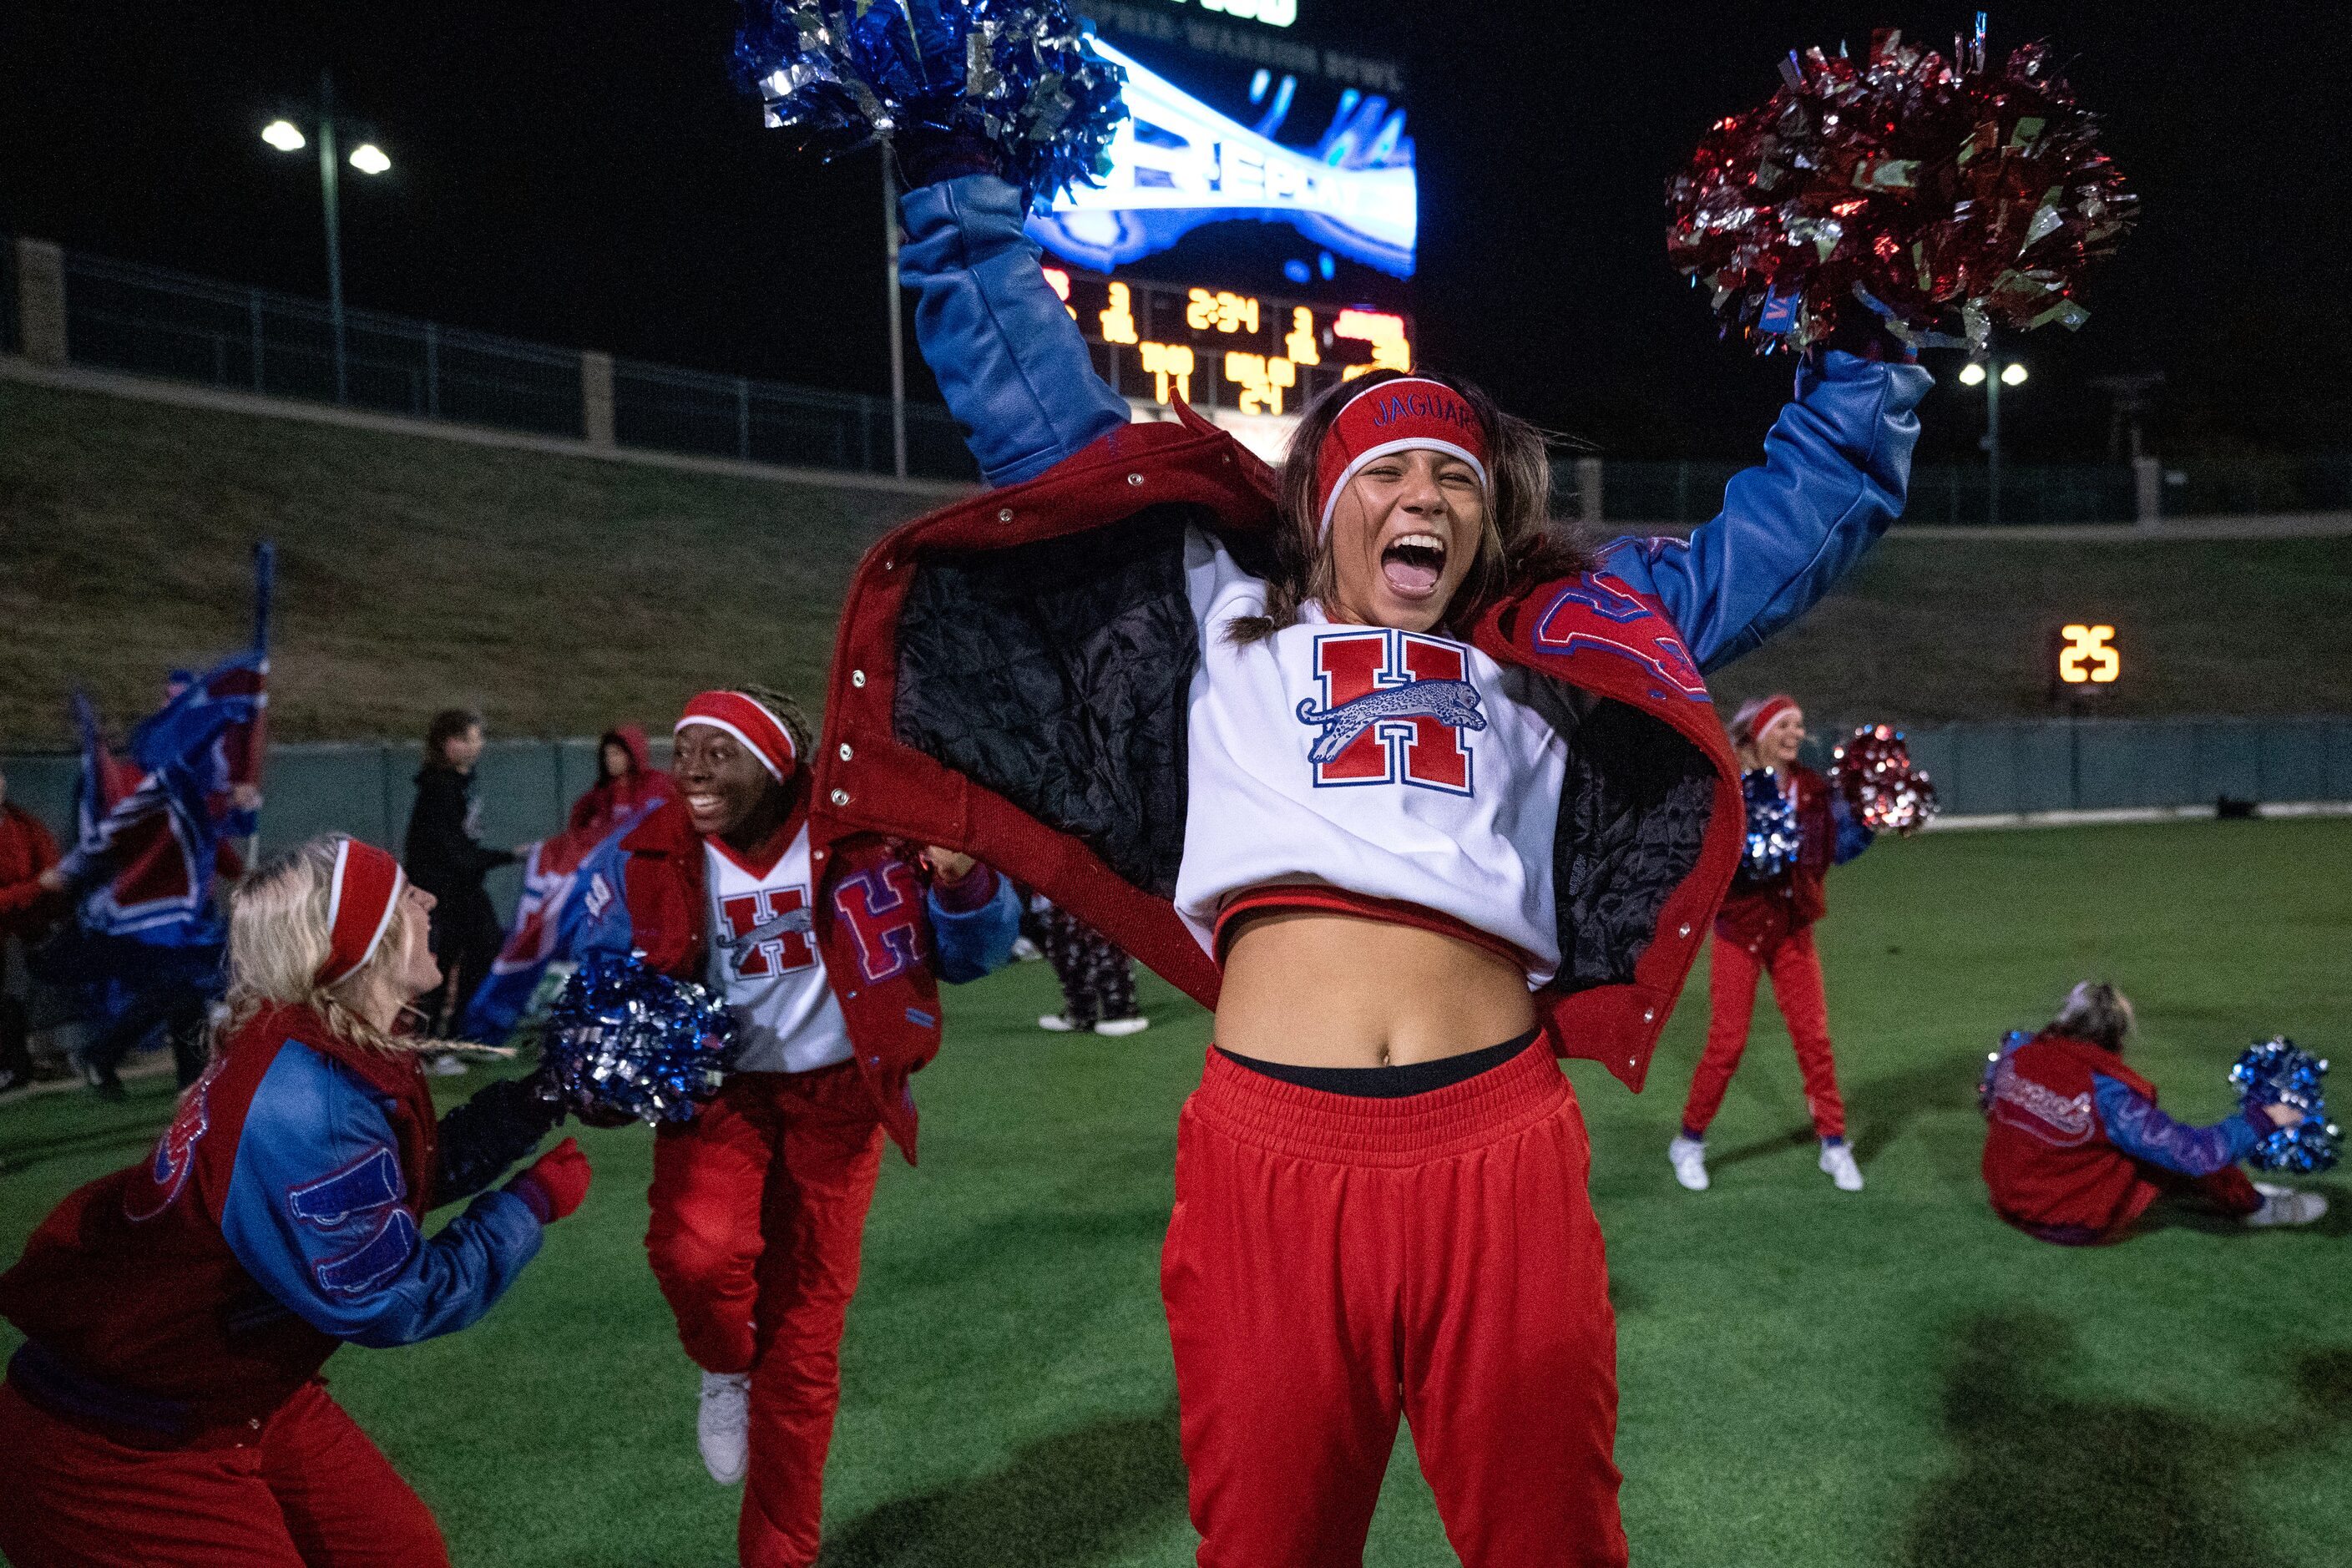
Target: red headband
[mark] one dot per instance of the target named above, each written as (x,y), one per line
(1774,706)
(1395,415)
(748,723)
(360,905)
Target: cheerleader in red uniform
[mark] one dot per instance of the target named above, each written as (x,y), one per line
(165,1410)
(1766,927)
(1415,795)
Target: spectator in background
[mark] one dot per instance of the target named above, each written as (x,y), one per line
(1096,975)
(444,854)
(32,897)
(2076,1148)
(625,779)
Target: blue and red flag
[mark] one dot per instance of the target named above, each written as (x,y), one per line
(149,825)
(567,882)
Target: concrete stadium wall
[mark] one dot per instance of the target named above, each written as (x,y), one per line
(1981,768)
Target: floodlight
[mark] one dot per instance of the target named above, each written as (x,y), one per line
(282,135)
(2013,374)
(1972,373)
(369,159)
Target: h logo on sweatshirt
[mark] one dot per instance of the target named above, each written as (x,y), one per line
(1396,706)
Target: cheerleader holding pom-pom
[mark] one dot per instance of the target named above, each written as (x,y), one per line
(1767,927)
(165,1410)
(1422,785)
(1415,795)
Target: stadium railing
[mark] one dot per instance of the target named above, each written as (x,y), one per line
(150,321)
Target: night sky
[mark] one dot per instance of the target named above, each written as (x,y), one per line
(584,175)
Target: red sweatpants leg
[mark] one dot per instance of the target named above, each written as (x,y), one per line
(758,1215)
(702,1237)
(1332,1262)
(1805,1007)
(1731,975)
(2226,1191)
(310,1491)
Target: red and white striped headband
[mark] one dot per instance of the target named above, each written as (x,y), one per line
(360,906)
(1395,415)
(1772,707)
(749,722)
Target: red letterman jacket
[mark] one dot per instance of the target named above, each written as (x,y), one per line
(1009,681)
(869,926)
(126,1283)
(2048,1162)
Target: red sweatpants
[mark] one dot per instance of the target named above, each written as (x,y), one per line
(309,1490)
(759,1206)
(1732,973)
(1333,1260)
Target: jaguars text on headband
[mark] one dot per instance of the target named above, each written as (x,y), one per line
(1396,415)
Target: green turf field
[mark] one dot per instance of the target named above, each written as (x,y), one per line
(1809,1377)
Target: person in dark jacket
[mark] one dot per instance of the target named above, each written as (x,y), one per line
(2076,1148)
(32,898)
(1766,926)
(444,854)
(625,780)
(165,1409)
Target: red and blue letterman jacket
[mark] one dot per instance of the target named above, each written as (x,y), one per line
(885,939)
(1012,672)
(2072,1135)
(280,1215)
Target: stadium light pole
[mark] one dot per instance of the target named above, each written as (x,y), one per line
(1993,375)
(897,330)
(368,159)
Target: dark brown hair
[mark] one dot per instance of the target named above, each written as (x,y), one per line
(1518,544)
(446,727)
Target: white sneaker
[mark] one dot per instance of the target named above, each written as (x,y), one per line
(448,1064)
(1115,1028)
(722,1427)
(1837,1159)
(2285,1206)
(1057,1024)
(1688,1157)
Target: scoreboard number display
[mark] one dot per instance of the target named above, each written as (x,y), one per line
(1215,348)
(2085,660)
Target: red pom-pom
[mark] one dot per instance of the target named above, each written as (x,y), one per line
(1884,787)
(1946,197)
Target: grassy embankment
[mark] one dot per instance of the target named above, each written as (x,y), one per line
(561,593)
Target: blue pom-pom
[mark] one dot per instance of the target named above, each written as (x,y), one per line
(622,1037)
(1022,76)
(2275,1073)
(1771,825)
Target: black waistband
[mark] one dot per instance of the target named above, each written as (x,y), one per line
(1390,1082)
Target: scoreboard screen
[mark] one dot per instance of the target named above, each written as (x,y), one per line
(1217,348)
(1256,155)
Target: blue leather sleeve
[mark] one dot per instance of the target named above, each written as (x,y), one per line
(1853,837)
(314,1214)
(1008,357)
(1836,466)
(977,942)
(2138,1128)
